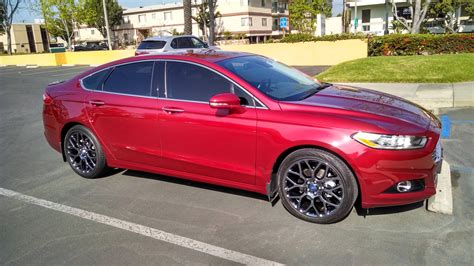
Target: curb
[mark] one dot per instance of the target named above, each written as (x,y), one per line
(35,66)
(442,202)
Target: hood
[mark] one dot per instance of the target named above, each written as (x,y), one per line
(369,101)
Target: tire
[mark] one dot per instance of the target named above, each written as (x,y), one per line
(316,186)
(84,153)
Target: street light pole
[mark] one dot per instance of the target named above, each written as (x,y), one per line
(386,18)
(107,25)
(356,22)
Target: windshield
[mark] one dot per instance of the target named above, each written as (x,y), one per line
(276,80)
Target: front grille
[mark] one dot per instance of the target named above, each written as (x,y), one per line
(437,153)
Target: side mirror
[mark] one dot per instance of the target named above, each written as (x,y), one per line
(227,101)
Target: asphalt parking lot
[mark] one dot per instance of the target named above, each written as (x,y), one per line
(240,226)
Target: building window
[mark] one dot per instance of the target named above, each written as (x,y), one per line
(168,16)
(366,20)
(153,16)
(404,12)
(264,22)
(141,18)
(246,21)
(263,3)
(92,32)
(126,19)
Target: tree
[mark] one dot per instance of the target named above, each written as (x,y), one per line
(7,12)
(188,23)
(91,13)
(448,12)
(203,18)
(1,17)
(418,10)
(303,14)
(61,17)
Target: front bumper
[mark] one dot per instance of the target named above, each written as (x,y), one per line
(381,178)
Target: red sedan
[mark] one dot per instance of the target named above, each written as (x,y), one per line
(247,122)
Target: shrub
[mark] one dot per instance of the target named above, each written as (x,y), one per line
(421,44)
(299,37)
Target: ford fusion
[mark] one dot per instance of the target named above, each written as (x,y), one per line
(248,122)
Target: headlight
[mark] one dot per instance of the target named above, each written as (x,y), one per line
(390,142)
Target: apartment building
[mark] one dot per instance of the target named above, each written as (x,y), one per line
(26,38)
(86,34)
(371,15)
(257,19)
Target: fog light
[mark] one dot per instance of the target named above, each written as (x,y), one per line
(404,186)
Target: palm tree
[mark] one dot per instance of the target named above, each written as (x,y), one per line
(188,26)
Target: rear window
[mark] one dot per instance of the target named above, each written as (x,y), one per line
(92,82)
(149,45)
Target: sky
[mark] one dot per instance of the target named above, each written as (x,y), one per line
(26,15)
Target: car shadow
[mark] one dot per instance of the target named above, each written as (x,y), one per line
(387,210)
(190,183)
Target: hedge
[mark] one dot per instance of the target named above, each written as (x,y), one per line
(299,37)
(420,44)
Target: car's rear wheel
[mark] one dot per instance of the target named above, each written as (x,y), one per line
(316,186)
(84,153)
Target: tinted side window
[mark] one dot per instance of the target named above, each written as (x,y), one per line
(174,44)
(198,43)
(92,82)
(185,42)
(194,83)
(147,45)
(134,78)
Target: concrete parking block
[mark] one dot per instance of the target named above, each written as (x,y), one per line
(442,202)
(463,94)
(35,66)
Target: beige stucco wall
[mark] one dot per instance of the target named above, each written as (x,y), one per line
(307,53)
(299,54)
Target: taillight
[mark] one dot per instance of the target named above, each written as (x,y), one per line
(47,100)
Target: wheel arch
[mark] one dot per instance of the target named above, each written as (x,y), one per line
(272,186)
(64,131)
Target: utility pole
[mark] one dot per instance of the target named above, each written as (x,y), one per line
(386,18)
(107,25)
(343,16)
(356,21)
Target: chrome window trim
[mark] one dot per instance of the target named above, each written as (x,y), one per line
(264,107)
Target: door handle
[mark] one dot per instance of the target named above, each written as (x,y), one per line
(96,102)
(171,110)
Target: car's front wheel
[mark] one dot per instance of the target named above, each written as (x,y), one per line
(316,186)
(84,153)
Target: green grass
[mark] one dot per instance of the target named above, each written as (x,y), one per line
(415,69)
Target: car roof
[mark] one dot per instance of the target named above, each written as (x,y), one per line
(209,55)
(167,38)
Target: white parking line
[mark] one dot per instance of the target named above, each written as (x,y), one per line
(142,230)
(58,69)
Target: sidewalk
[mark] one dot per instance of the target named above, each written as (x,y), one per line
(429,95)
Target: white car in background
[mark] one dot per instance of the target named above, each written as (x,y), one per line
(163,44)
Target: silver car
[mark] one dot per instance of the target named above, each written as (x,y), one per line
(163,44)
